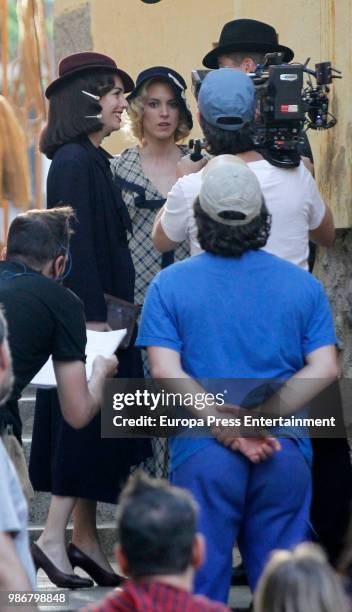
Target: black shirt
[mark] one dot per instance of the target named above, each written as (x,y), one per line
(43,319)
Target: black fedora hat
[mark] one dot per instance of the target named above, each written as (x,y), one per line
(84,62)
(175,80)
(247,35)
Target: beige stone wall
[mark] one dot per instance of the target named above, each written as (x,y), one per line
(178,33)
(61,6)
(173,33)
(72,30)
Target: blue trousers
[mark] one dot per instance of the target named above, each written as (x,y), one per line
(262,506)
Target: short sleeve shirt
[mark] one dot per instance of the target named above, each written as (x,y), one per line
(253,317)
(43,318)
(292,198)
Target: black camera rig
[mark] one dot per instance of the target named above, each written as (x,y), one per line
(286,107)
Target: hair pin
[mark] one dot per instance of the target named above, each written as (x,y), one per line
(100,116)
(90,95)
(176,81)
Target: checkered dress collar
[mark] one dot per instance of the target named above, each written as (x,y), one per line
(128,168)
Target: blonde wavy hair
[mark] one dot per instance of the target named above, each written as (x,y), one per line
(134,119)
(300,580)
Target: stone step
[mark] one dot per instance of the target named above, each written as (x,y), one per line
(76,600)
(107,535)
(26,408)
(38,510)
(29,391)
(26,444)
(239,597)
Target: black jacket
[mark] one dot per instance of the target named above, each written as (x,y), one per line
(80,176)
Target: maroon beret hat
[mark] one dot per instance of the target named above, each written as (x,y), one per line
(77,63)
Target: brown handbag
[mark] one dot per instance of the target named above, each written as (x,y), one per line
(120,315)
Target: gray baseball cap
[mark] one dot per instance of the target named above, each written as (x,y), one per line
(227,99)
(230,193)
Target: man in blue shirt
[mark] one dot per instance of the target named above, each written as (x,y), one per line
(237,312)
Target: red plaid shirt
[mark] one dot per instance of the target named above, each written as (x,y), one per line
(153,596)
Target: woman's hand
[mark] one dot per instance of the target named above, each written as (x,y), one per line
(100,326)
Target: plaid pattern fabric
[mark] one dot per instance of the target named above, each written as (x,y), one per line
(143,202)
(153,596)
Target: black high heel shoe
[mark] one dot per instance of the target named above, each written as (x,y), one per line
(103,578)
(62,580)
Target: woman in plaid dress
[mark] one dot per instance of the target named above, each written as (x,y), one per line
(158,118)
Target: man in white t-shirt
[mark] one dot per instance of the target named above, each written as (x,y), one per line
(16,566)
(226,105)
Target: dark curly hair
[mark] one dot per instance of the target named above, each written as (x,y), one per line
(222,141)
(228,240)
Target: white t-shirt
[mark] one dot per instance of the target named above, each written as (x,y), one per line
(291,195)
(14,514)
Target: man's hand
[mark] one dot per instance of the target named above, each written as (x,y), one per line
(106,365)
(187,166)
(255,449)
(258,447)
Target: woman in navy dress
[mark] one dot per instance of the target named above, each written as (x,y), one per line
(78,467)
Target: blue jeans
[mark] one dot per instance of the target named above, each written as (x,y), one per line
(261,506)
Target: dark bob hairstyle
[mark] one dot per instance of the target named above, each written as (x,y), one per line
(72,113)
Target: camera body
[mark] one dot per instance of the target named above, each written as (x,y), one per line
(286,107)
(280,98)
(280,112)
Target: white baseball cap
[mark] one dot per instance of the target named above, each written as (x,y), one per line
(230,193)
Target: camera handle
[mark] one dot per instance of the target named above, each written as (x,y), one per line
(196,145)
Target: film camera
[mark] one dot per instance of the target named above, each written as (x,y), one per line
(286,107)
